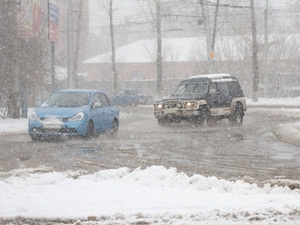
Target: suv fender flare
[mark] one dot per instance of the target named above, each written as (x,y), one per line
(238,101)
(202,103)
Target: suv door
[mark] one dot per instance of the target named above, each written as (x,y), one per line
(213,96)
(225,99)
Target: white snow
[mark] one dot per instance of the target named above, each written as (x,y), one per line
(155,195)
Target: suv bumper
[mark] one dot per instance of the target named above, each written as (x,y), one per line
(175,113)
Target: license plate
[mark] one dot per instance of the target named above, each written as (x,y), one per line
(52,123)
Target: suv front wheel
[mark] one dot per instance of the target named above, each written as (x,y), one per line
(237,116)
(203,116)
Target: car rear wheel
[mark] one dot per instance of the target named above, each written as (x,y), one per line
(115,127)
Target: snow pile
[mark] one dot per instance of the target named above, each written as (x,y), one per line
(8,126)
(154,192)
(275,102)
(289,133)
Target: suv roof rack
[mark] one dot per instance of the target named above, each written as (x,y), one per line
(213,76)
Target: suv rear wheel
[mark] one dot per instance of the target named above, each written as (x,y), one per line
(237,116)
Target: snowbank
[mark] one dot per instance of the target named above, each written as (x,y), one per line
(9,126)
(289,133)
(155,192)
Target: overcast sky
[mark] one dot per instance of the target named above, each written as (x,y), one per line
(130,11)
(124,10)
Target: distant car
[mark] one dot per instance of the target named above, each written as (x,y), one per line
(131,97)
(77,112)
(203,98)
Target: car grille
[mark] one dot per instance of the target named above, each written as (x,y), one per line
(62,130)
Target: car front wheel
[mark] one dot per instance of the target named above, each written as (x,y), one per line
(35,137)
(90,129)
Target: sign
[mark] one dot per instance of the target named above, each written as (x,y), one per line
(53,11)
(211,55)
(29,18)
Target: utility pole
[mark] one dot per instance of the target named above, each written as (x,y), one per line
(254,54)
(77,44)
(266,78)
(53,82)
(71,83)
(113,48)
(207,35)
(159,84)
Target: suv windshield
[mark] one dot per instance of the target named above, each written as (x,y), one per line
(67,99)
(194,89)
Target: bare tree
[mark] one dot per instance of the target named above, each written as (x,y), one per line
(10,57)
(210,37)
(24,64)
(110,9)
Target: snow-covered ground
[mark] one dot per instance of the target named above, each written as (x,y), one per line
(155,195)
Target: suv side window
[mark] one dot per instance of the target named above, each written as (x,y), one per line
(235,89)
(222,88)
(213,89)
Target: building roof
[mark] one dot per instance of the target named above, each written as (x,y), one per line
(194,49)
(174,49)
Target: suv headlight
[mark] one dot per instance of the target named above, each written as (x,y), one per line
(77,117)
(191,105)
(158,106)
(33,116)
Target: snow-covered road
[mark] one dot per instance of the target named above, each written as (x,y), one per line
(154,194)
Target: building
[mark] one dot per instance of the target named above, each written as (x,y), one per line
(183,57)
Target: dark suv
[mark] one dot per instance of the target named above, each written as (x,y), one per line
(204,98)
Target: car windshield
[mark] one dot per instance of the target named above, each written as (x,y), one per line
(192,89)
(67,99)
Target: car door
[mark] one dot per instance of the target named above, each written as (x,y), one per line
(108,112)
(97,113)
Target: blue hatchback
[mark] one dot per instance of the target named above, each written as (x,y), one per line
(76,112)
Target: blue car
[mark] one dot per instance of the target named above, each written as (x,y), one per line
(78,112)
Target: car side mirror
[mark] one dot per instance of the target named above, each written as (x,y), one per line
(96,105)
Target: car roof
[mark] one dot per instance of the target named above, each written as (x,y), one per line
(82,90)
(218,77)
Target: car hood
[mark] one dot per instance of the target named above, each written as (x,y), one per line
(43,112)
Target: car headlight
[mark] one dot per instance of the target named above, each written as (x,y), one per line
(77,117)
(33,116)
